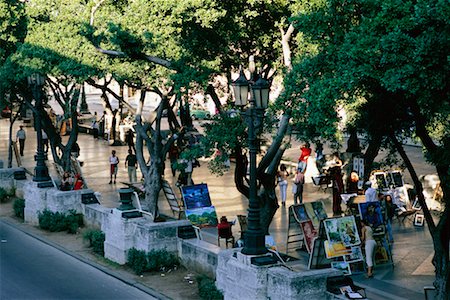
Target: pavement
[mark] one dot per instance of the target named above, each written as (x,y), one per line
(412,250)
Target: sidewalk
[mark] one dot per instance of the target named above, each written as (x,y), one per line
(412,250)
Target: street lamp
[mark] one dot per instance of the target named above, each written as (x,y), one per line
(36,82)
(254,238)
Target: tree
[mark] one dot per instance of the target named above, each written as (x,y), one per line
(387,64)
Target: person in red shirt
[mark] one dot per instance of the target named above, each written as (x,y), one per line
(79,183)
(304,155)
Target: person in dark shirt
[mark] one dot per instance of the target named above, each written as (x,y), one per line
(130,162)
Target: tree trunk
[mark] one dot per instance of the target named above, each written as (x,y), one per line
(353,141)
(439,234)
(370,154)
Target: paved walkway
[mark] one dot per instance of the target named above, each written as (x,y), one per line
(412,250)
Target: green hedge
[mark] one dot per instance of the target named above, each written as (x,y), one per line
(96,240)
(19,208)
(56,221)
(155,260)
(207,289)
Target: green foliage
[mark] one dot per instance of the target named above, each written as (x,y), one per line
(56,221)
(207,289)
(19,208)
(137,260)
(3,195)
(155,260)
(161,260)
(96,240)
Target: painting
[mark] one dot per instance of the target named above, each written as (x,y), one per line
(342,266)
(202,217)
(335,249)
(319,210)
(342,230)
(371,211)
(309,234)
(196,196)
(300,213)
(355,255)
(418,220)
(311,214)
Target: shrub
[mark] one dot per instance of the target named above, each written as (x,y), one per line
(73,221)
(207,289)
(56,221)
(19,208)
(96,240)
(3,195)
(161,259)
(137,260)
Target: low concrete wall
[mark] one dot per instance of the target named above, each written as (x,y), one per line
(199,256)
(286,284)
(8,182)
(94,215)
(141,233)
(39,199)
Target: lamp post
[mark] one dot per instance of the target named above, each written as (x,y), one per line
(254,238)
(36,82)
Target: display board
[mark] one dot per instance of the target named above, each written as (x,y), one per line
(339,245)
(196,196)
(304,220)
(199,210)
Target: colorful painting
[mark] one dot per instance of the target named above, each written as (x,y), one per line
(371,211)
(319,210)
(309,234)
(202,217)
(342,230)
(311,214)
(196,196)
(300,213)
(355,255)
(335,249)
(342,266)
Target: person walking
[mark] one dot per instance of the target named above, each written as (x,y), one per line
(129,139)
(21,137)
(282,182)
(45,141)
(299,181)
(174,153)
(305,152)
(114,163)
(335,172)
(130,162)
(369,246)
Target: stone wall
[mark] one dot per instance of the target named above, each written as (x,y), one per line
(141,233)
(8,182)
(285,284)
(94,215)
(237,278)
(39,199)
(199,256)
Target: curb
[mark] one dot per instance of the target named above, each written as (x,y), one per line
(105,270)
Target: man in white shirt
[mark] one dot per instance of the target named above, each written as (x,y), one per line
(371,193)
(21,137)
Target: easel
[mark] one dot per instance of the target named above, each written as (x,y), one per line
(295,238)
(318,258)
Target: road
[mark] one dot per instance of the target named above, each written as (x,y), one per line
(31,269)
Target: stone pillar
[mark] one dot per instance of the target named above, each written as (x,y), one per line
(237,278)
(242,280)
(119,236)
(35,201)
(284,284)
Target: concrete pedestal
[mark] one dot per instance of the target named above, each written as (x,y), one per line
(35,201)
(141,233)
(237,278)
